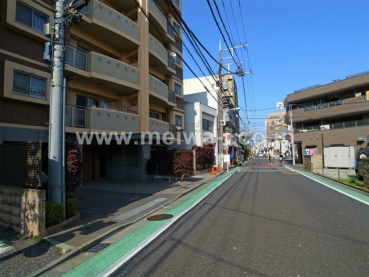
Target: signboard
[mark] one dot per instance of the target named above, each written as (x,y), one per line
(280,105)
(227,158)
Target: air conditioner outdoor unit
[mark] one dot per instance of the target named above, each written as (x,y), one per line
(222,122)
(324,127)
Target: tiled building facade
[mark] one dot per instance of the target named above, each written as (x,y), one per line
(335,114)
(123,70)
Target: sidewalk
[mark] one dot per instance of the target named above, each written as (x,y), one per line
(108,206)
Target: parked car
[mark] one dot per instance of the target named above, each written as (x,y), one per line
(359,168)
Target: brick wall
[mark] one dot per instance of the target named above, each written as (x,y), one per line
(23,209)
(366,172)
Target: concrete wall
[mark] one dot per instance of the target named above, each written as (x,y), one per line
(23,210)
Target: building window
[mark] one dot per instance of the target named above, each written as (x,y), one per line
(271,128)
(86,102)
(29,85)
(30,17)
(178,89)
(154,115)
(207,125)
(178,120)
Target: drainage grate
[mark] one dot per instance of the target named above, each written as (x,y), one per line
(98,247)
(158,217)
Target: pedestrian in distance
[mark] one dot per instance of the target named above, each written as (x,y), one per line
(281,157)
(269,159)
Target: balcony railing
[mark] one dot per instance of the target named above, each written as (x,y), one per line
(173,130)
(159,126)
(178,60)
(75,116)
(108,119)
(115,20)
(170,30)
(156,11)
(324,105)
(158,87)
(76,57)
(338,125)
(177,29)
(171,96)
(176,2)
(171,63)
(113,68)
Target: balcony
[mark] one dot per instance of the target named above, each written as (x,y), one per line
(110,26)
(113,74)
(177,30)
(101,119)
(159,93)
(178,61)
(171,96)
(101,70)
(75,117)
(105,119)
(76,57)
(333,126)
(159,58)
(159,126)
(177,4)
(352,105)
(161,23)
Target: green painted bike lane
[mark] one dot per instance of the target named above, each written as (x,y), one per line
(105,259)
(333,185)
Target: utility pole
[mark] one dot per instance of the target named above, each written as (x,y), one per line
(56,128)
(220,111)
(240,72)
(64,15)
(293,137)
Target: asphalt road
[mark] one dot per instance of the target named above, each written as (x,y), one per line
(263,221)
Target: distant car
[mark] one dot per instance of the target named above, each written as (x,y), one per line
(261,154)
(359,167)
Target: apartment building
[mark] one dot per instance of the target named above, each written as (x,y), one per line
(194,92)
(277,134)
(123,70)
(334,114)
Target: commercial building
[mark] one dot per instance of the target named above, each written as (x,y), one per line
(334,114)
(123,70)
(195,95)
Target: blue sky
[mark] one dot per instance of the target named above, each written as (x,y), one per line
(292,44)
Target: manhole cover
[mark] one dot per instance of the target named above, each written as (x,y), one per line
(159,217)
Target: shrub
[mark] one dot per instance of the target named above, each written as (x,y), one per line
(183,162)
(199,167)
(54,213)
(71,205)
(73,166)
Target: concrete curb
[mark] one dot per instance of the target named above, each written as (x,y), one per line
(329,178)
(100,238)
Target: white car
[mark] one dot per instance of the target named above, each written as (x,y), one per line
(261,154)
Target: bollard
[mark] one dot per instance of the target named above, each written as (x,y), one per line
(218,170)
